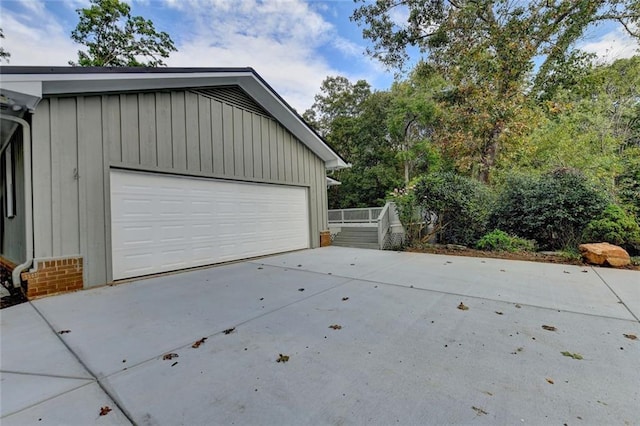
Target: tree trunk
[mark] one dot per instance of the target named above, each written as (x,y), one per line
(489,154)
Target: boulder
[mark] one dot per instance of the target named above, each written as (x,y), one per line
(604,254)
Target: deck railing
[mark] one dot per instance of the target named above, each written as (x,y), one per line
(350,216)
(372,216)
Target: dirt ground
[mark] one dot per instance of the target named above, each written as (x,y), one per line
(531,257)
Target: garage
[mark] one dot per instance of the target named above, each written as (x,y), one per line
(166,222)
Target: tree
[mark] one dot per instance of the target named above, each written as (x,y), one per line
(4,55)
(353,120)
(486,48)
(117,39)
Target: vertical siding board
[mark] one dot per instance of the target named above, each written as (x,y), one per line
(257,146)
(90,166)
(129,129)
(265,140)
(163,130)
(217,137)
(281,166)
(193,132)
(65,181)
(178,131)
(247,141)
(314,199)
(42,197)
(295,146)
(204,124)
(111,123)
(227,131)
(107,129)
(147,123)
(238,142)
(288,147)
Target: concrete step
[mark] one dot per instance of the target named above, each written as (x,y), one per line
(356,240)
(356,245)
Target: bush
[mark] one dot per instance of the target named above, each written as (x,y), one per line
(614,226)
(552,209)
(457,207)
(501,241)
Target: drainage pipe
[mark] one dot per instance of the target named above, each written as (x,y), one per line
(28,201)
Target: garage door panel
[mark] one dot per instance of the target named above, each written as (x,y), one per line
(162,223)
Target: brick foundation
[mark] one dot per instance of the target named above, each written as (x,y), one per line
(54,276)
(325,238)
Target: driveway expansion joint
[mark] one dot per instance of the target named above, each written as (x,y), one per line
(615,294)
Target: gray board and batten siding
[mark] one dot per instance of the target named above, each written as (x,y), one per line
(202,132)
(13,228)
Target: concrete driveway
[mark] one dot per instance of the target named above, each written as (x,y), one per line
(403,352)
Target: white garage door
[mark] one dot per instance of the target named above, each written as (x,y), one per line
(163,223)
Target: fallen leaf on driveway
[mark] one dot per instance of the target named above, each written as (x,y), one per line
(499,313)
(283,358)
(570,355)
(344,299)
(174,364)
(549,328)
(169,356)
(550,381)
(518,306)
(64,331)
(198,343)
(566,272)
(478,410)
(584,270)
(301,289)
(335,326)
(631,336)
(105,410)
(463,307)
(229,330)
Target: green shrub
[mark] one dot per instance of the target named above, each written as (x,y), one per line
(408,213)
(501,241)
(552,209)
(455,206)
(614,226)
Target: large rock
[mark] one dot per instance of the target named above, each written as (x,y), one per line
(604,254)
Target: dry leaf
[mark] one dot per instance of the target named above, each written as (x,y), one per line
(301,289)
(566,272)
(198,343)
(549,328)
(344,299)
(518,306)
(174,364)
(283,358)
(584,270)
(499,313)
(335,326)
(169,356)
(105,410)
(463,307)
(478,410)
(64,331)
(550,381)
(570,355)
(229,330)
(631,336)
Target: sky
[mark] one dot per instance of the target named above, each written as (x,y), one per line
(293,44)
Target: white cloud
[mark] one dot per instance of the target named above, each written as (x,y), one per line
(279,39)
(615,44)
(34,36)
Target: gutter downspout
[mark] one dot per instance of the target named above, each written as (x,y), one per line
(28,202)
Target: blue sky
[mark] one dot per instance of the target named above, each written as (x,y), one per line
(293,44)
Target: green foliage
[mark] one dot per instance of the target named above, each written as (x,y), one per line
(614,226)
(114,38)
(628,182)
(552,209)
(409,213)
(456,206)
(4,55)
(498,240)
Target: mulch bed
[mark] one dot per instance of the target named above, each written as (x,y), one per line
(531,257)
(15,298)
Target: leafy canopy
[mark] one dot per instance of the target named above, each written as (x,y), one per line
(114,38)
(4,55)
